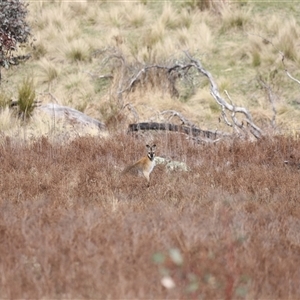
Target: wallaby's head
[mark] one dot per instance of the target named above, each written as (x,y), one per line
(151,151)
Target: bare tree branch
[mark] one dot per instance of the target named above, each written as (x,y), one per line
(145,69)
(235,120)
(131,108)
(170,74)
(285,69)
(255,130)
(174,113)
(107,76)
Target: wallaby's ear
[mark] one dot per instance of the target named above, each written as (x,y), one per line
(154,147)
(147,146)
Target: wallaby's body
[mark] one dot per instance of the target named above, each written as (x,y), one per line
(145,165)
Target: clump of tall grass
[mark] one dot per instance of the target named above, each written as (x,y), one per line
(49,70)
(39,50)
(185,18)
(174,18)
(136,15)
(77,80)
(288,37)
(4,99)
(204,39)
(184,36)
(169,17)
(212,5)
(7,120)
(78,9)
(78,90)
(144,54)
(58,15)
(77,51)
(114,17)
(73,31)
(161,50)
(235,18)
(26,98)
(256,59)
(155,34)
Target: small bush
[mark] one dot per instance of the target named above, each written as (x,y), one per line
(13,29)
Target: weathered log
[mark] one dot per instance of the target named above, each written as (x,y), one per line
(71,114)
(193,131)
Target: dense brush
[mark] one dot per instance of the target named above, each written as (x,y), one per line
(216,231)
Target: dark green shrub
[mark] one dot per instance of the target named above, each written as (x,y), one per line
(13,30)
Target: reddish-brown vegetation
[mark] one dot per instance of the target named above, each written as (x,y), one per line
(71,227)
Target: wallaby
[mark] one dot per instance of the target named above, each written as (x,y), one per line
(145,165)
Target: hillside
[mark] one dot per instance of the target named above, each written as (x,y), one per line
(84,51)
(223,226)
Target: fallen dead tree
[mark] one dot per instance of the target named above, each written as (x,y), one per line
(169,77)
(242,125)
(70,114)
(189,130)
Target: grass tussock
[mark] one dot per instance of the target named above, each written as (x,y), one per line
(7,118)
(75,228)
(136,15)
(49,71)
(4,99)
(26,98)
(77,51)
(235,19)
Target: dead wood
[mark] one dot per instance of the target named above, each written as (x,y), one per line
(181,69)
(164,76)
(189,130)
(286,70)
(254,129)
(174,113)
(130,77)
(71,114)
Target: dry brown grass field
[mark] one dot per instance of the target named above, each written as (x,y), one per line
(72,227)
